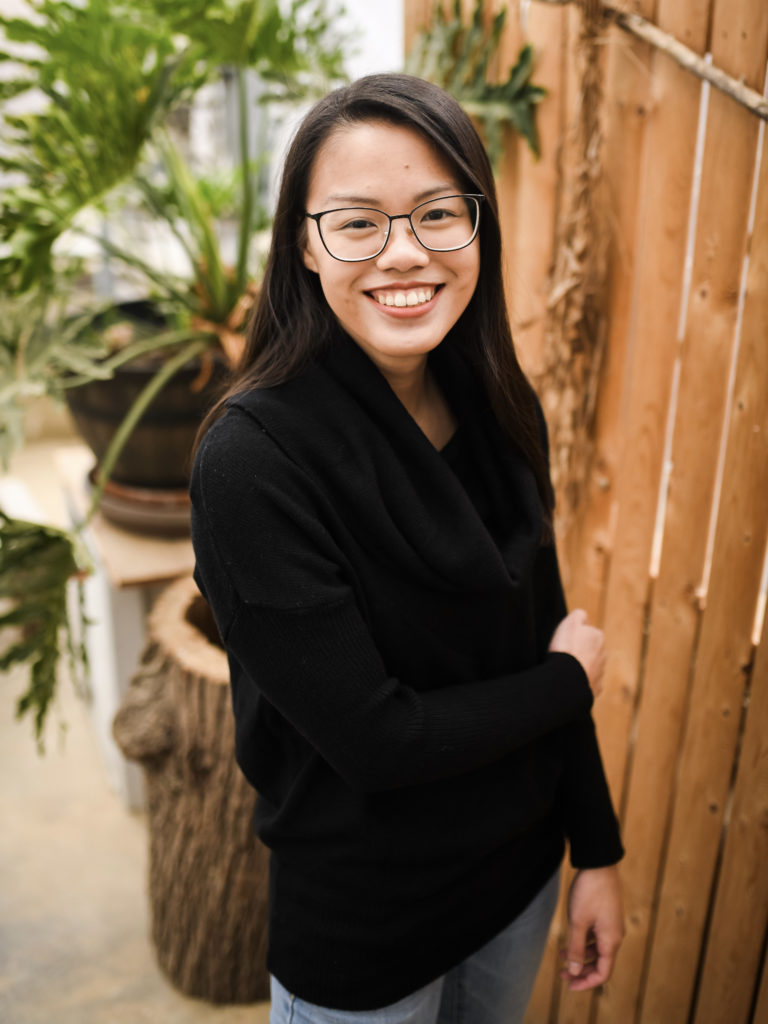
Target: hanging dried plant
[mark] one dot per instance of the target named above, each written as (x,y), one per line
(575,334)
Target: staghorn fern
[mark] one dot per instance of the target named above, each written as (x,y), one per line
(455,55)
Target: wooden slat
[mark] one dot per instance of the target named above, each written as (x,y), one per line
(528,197)
(741,908)
(546,1000)
(723,646)
(528,187)
(586,550)
(760,1015)
(626,91)
(416,16)
(666,184)
(588,546)
(740,919)
(584,543)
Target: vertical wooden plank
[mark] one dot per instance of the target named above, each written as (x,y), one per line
(583,540)
(760,1015)
(416,17)
(528,198)
(739,40)
(529,208)
(740,918)
(667,178)
(589,546)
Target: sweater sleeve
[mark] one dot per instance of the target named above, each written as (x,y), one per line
(280,591)
(590,821)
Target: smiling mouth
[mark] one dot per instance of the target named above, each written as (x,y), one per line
(405,298)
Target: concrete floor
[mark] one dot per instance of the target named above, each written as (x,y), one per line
(74,928)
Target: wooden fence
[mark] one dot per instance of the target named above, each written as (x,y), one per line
(666,546)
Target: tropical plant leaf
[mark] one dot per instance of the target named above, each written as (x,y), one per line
(36,564)
(455,54)
(110,71)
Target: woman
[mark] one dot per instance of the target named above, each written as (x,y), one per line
(372,519)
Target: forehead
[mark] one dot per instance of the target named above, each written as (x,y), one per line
(374,161)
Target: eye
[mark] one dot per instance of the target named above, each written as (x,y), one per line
(358,224)
(436,214)
(352,221)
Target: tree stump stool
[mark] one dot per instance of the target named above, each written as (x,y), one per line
(207,870)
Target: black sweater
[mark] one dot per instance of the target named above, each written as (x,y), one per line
(419,755)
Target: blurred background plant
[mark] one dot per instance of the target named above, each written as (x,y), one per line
(456,51)
(94,99)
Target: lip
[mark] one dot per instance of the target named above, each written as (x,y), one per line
(403,286)
(404,312)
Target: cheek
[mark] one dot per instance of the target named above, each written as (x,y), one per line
(337,284)
(475,251)
(470,272)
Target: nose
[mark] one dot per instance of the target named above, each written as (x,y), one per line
(403,249)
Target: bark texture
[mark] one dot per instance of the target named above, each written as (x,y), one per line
(575,335)
(207,870)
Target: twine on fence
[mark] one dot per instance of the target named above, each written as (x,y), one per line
(643,29)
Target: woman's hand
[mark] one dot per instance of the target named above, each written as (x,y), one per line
(595,927)
(575,636)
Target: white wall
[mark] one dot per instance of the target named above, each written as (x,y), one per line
(379,27)
(380,24)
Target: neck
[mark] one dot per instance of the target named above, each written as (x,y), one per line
(418,391)
(410,384)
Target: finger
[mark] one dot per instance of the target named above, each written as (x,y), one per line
(597,968)
(590,953)
(592,975)
(576,950)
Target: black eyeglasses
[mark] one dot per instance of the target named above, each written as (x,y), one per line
(357,233)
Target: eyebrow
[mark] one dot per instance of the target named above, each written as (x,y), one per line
(439,190)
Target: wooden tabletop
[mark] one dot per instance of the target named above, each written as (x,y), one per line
(130,559)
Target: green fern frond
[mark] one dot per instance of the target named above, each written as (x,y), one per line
(455,54)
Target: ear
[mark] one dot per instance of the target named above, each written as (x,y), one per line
(309,260)
(306,253)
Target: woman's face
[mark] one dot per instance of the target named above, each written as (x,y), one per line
(390,168)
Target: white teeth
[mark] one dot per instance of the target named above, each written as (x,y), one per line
(411,298)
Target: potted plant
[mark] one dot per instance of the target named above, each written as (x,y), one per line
(110,80)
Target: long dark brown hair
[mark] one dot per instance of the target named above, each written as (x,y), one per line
(293,323)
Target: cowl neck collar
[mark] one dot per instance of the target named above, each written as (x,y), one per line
(426,502)
(344,426)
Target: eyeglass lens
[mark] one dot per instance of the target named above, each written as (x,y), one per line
(441,225)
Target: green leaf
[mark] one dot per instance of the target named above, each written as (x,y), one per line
(36,565)
(456,54)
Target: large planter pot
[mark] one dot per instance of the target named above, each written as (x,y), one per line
(207,870)
(158,452)
(148,485)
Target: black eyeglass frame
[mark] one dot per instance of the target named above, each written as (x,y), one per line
(478,197)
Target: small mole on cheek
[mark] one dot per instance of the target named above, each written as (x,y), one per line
(406,166)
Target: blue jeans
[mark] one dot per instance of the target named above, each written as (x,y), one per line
(492,986)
